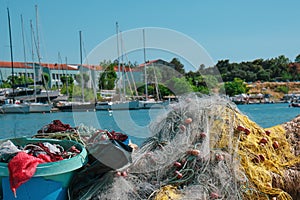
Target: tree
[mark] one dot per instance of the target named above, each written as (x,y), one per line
(263,75)
(297,59)
(178,66)
(86,79)
(237,86)
(179,86)
(45,79)
(63,79)
(107,78)
(19,81)
(84,76)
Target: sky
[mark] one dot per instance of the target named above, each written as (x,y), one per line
(233,29)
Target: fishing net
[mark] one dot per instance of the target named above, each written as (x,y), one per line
(205,148)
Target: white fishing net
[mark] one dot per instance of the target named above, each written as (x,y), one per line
(183,159)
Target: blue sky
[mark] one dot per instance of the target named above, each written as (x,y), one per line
(235,30)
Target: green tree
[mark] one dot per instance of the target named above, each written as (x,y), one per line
(84,76)
(237,86)
(263,75)
(283,89)
(107,78)
(19,80)
(63,79)
(297,59)
(45,79)
(67,89)
(179,86)
(179,67)
(86,79)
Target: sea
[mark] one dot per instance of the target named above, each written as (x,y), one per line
(134,123)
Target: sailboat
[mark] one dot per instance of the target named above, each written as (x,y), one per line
(11,106)
(77,106)
(122,104)
(37,107)
(149,103)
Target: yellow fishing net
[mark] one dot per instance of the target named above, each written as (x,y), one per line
(262,152)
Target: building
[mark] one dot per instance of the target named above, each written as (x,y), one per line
(129,75)
(54,71)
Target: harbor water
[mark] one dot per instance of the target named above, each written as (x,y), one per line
(134,123)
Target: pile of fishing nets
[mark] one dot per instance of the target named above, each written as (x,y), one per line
(204,148)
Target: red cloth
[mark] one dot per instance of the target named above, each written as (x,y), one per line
(21,168)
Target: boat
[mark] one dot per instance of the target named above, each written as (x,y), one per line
(11,105)
(14,108)
(38,107)
(103,105)
(296,105)
(149,103)
(75,106)
(125,105)
(122,102)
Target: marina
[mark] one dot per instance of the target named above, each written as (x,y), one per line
(16,125)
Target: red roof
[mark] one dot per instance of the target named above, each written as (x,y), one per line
(58,66)
(126,69)
(7,64)
(148,62)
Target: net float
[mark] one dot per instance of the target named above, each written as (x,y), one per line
(203,135)
(268,132)
(188,120)
(247,131)
(182,127)
(256,159)
(240,128)
(261,157)
(264,140)
(177,164)
(124,173)
(194,152)
(214,195)
(219,157)
(118,173)
(179,175)
(275,145)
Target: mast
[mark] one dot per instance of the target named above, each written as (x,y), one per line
(37,31)
(123,67)
(67,77)
(24,49)
(118,50)
(33,63)
(145,66)
(60,68)
(11,56)
(38,52)
(81,68)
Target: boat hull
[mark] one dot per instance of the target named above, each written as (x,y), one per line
(39,108)
(295,105)
(125,105)
(15,108)
(103,106)
(76,107)
(151,104)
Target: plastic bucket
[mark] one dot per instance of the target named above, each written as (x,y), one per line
(50,180)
